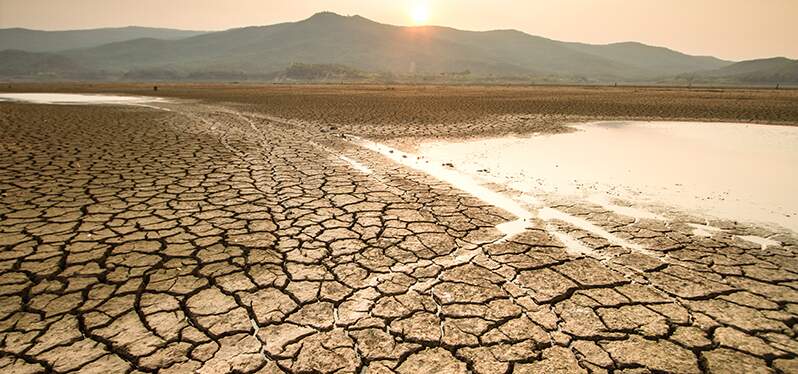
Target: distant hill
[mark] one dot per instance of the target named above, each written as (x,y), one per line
(33,65)
(328,46)
(54,41)
(778,70)
(657,60)
(772,70)
(328,38)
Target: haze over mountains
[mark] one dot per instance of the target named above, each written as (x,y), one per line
(53,41)
(763,71)
(333,47)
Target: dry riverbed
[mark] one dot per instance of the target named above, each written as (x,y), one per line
(303,229)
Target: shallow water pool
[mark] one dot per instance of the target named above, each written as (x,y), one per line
(742,172)
(60,98)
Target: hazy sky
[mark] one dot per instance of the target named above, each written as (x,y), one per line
(732,29)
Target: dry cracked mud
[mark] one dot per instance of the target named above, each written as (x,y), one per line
(209,239)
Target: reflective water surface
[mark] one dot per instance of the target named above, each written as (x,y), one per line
(60,98)
(736,171)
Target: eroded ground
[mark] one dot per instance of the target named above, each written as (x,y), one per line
(219,238)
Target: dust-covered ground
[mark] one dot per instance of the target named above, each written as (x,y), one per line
(382,111)
(252,229)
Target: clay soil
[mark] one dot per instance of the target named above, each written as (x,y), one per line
(229,231)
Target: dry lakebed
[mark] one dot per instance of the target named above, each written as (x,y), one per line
(397,229)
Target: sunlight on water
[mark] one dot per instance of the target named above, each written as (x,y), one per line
(58,98)
(735,171)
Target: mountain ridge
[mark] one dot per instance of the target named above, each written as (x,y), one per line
(54,41)
(774,70)
(372,46)
(358,43)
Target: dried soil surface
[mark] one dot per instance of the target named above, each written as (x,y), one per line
(238,231)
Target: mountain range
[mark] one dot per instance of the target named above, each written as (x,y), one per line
(53,41)
(327,45)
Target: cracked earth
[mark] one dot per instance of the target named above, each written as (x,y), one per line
(209,239)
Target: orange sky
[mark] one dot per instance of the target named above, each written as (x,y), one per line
(732,29)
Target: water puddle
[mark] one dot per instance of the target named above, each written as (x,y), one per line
(512,228)
(356,165)
(574,246)
(449,175)
(734,171)
(549,214)
(705,231)
(518,207)
(764,242)
(84,99)
(457,180)
(605,202)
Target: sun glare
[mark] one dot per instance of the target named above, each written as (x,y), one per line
(419,13)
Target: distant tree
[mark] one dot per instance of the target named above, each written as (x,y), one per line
(302,71)
(153,74)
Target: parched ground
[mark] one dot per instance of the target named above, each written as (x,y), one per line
(235,234)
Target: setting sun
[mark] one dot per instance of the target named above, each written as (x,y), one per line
(420,13)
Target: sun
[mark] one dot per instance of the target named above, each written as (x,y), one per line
(419,13)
